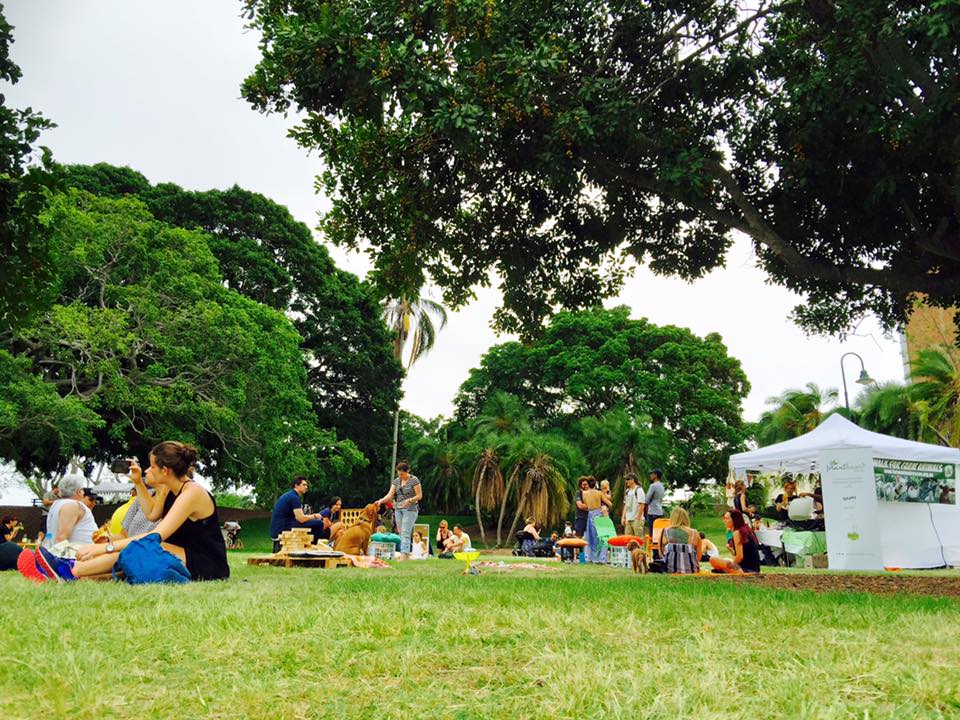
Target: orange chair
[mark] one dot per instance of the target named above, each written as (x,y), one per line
(656,548)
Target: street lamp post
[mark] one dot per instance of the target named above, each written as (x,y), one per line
(864,378)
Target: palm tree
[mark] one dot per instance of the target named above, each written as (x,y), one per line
(488,487)
(441,465)
(616,444)
(538,483)
(888,408)
(936,395)
(503,417)
(796,412)
(410,318)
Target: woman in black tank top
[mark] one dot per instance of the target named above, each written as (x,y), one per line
(189,525)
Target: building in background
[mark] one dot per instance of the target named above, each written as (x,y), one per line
(929,327)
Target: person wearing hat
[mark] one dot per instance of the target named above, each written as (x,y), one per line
(90,498)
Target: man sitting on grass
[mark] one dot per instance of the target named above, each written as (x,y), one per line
(288,513)
(459,541)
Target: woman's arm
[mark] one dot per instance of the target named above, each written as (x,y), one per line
(417,495)
(389,496)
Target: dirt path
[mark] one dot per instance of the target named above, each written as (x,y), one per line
(877,584)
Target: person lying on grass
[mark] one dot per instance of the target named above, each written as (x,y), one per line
(188,523)
(745,547)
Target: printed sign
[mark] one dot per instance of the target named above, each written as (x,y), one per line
(915,481)
(850,509)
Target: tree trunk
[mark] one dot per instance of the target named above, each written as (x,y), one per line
(516,521)
(503,503)
(396,435)
(483,537)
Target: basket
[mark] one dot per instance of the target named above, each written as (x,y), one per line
(618,557)
(383,550)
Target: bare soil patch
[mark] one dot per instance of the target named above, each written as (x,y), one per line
(931,585)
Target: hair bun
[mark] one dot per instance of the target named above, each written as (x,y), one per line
(189,453)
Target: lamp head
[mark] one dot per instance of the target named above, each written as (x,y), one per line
(864,378)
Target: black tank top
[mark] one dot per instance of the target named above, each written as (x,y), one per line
(202,542)
(751,552)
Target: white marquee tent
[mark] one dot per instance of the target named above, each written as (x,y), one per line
(913,535)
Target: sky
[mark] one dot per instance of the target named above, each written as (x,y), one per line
(156,86)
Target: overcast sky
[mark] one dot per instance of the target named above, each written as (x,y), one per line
(156,86)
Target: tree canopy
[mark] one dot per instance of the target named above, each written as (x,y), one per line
(550,141)
(145,343)
(594,362)
(26,271)
(265,254)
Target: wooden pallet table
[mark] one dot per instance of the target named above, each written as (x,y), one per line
(283,560)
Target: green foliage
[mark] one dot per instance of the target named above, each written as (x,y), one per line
(546,143)
(146,344)
(887,408)
(936,395)
(236,500)
(27,262)
(264,254)
(795,413)
(594,362)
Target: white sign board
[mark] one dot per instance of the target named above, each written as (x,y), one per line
(850,509)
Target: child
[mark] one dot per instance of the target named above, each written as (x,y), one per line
(418,548)
(566,554)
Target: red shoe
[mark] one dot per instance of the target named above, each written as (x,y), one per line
(28,567)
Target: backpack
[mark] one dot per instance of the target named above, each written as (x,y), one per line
(145,561)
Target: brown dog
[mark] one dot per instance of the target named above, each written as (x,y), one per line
(637,557)
(355,540)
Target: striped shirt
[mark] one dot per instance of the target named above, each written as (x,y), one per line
(405,491)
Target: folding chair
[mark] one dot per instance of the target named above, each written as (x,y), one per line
(656,548)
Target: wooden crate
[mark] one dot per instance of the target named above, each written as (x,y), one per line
(289,561)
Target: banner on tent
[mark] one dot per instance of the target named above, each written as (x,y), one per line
(850,509)
(914,481)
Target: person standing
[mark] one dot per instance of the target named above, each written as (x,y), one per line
(653,501)
(633,498)
(593,499)
(405,493)
(580,518)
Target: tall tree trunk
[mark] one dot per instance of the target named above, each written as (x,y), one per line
(516,521)
(396,435)
(483,537)
(503,503)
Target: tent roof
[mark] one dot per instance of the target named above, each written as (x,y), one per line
(800,454)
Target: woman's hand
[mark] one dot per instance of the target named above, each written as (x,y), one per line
(136,474)
(89,552)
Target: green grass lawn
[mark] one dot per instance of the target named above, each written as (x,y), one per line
(422,641)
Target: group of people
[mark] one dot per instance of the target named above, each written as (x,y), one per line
(403,498)
(640,509)
(169,503)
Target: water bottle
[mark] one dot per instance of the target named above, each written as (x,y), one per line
(583,556)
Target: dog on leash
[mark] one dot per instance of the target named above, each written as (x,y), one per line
(638,558)
(355,540)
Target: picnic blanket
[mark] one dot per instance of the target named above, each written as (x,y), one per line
(509,567)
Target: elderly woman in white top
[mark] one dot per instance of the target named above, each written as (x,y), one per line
(70,523)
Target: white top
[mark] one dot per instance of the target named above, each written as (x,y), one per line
(631,502)
(84,529)
(417,551)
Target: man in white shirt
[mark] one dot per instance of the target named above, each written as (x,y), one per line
(459,541)
(633,498)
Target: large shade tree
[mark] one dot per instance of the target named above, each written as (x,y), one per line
(265,254)
(592,362)
(27,262)
(548,141)
(145,343)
